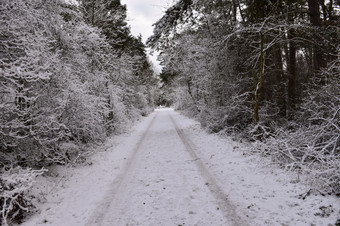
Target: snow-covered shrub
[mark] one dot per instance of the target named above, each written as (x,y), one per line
(142,101)
(60,81)
(83,116)
(298,150)
(321,114)
(117,111)
(28,114)
(14,183)
(312,142)
(183,101)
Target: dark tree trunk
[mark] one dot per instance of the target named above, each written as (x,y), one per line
(291,65)
(92,16)
(291,70)
(259,85)
(278,80)
(314,12)
(315,20)
(234,11)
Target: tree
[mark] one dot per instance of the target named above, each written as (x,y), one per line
(175,15)
(64,83)
(246,68)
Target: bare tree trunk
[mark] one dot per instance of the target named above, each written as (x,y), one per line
(291,70)
(314,12)
(291,64)
(315,20)
(278,80)
(234,11)
(93,7)
(259,84)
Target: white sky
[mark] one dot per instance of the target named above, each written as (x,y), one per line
(142,14)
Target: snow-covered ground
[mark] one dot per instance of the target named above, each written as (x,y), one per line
(168,171)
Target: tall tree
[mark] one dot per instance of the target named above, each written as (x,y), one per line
(315,20)
(259,68)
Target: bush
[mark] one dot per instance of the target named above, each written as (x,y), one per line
(14,184)
(312,142)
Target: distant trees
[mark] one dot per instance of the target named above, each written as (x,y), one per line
(250,67)
(69,76)
(110,17)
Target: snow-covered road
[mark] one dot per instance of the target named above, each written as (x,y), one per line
(168,171)
(164,183)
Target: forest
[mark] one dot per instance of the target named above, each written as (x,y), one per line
(71,74)
(265,72)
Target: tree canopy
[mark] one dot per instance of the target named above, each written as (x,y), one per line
(255,70)
(70,75)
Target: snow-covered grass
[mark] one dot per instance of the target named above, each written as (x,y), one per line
(262,194)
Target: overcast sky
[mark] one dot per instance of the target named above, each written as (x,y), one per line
(142,14)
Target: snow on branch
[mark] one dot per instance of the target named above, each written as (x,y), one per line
(14,183)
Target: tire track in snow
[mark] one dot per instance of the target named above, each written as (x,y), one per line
(226,206)
(101,210)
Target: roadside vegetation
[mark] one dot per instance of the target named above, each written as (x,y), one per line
(71,74)
(267,72)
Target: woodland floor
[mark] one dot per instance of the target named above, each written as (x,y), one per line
(169,171)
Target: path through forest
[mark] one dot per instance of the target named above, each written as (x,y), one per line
(170,172)
(164,181)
